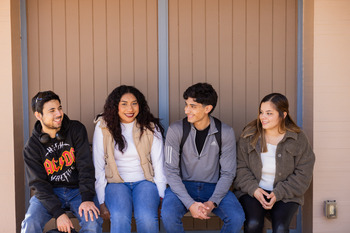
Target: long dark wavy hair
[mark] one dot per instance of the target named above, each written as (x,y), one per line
(145,118)
(255,128)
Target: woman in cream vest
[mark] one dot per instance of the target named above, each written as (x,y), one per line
(128,158)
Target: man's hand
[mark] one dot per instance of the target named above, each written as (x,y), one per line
(199,210)
(89,208)
(64,224)
(104,212)
(210,206)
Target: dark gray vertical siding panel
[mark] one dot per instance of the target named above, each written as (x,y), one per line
(163,61)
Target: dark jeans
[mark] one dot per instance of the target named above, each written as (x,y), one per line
(281,215)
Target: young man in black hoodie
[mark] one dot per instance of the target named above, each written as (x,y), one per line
(59,169)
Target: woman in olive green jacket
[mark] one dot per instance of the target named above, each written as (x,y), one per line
(274,166)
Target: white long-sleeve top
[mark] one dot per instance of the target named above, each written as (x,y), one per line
(128,163)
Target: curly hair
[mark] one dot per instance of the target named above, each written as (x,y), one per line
(145,118)
(203,93)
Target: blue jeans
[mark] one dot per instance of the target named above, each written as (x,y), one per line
(229,210)
(141,197)
(37,215)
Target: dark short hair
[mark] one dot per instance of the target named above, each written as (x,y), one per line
(41,98)
(202,93)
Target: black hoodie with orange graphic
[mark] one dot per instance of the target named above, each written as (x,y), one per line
(60,163)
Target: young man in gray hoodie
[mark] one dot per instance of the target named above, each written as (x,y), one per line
(200,172)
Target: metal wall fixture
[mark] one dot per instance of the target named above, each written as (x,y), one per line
(330,209)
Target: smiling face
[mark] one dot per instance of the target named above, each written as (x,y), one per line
(51,118)
(128,108)
(197,114)
(269,116)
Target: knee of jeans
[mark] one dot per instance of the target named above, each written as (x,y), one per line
(147,221)
(120,216)
(91,226)
(235,216)
(146,217)
(253,225)
(166,214)
(170,215)
(32,224)
(31,219)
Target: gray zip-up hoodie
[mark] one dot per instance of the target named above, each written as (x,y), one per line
(203,167)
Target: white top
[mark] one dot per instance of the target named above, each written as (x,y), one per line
(269,167)
(128,163)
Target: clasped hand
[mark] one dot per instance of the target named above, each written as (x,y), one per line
(262,196)
(201,210)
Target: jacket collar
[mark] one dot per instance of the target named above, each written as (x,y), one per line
(288,134)
(212,126)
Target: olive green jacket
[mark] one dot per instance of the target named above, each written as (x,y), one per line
(294,167)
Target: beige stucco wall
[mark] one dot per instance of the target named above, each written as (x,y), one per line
(331,113)
(7,168)
(11,129)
